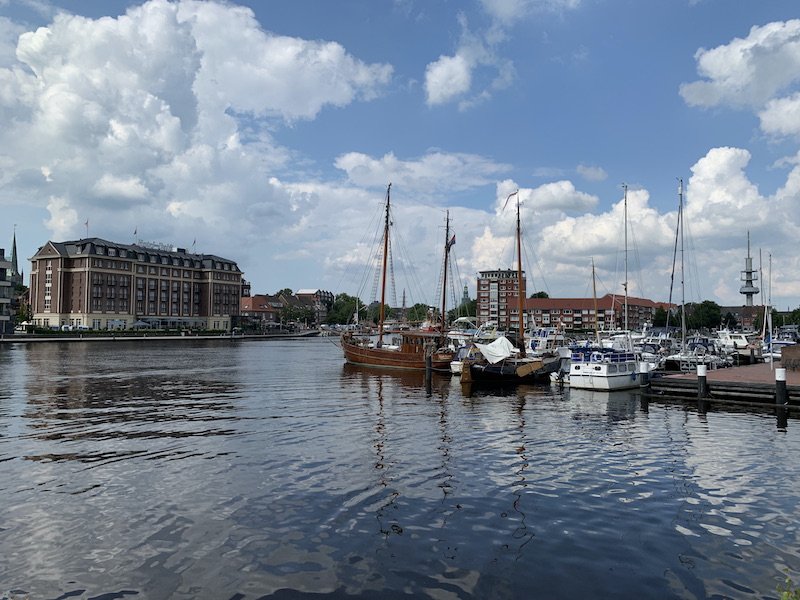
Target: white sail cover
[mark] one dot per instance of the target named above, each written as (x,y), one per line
(498,350)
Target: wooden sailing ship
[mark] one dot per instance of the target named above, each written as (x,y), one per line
(406,349)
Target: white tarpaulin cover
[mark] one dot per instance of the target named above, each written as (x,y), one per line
(498,350)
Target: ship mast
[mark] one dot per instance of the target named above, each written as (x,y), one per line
(594,294)
(383,276)
(446,256)
(519,282)
(625,284)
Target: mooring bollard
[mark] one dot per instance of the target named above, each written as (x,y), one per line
(644,380)
(781,395)
(702,383)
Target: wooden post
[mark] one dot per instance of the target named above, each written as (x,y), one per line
(702,383)
(428,372)
(781,395)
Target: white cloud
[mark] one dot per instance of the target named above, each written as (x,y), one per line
(451,77)
(507,11)
(592,173)
(130,188)
(434,172)
(164,116)
(448,77)
(561,195)
(749,71)
(63,218)
(781,116)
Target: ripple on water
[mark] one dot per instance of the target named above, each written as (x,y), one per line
(209,470)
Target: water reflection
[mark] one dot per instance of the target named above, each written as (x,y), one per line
(242,470)
(83,395)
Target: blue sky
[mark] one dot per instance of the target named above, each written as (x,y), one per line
(268,132)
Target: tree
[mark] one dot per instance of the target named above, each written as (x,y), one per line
(540,295)
(343,309)
(284,292)
(418,312)
(777,318)
(469,309)
(706,315)
(374,312)
(730,321)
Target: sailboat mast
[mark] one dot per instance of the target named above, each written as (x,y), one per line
(519,282)
(625,219)
(683,291)
(446,256)
(385,258)
(594,295)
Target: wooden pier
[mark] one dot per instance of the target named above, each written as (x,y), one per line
(751,383)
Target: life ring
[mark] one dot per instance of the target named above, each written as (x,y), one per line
(596,357)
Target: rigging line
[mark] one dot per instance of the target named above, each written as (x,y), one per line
(417,201)
(534,261)
(363,241)
(408,271)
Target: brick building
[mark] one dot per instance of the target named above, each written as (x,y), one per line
(104,285)
(579,313)
(498,297)
(6,293)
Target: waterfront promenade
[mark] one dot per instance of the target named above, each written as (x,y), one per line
(150,336)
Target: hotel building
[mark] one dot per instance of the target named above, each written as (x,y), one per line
(103,285)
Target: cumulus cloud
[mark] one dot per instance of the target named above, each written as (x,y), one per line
(164,116)
(451,77)
(781,116)
(748,71)
(448,77)
(720,196)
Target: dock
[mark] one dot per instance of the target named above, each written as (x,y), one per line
(749,383)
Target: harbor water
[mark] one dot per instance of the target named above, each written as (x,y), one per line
(248,469)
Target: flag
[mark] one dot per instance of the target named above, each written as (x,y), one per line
(87,222)
(509,198)
(451,242)
(135,230)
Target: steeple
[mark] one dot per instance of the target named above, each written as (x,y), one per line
(16,275)
(749,276)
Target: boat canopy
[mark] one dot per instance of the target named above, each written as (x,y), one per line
(498,350)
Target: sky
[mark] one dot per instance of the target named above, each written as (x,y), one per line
(267,132)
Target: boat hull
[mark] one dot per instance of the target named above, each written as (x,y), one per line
(603,371)
(408,356)
(513,370)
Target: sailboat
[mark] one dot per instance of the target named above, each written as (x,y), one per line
(598,367)
(697,352)
(501,361)
(409,349)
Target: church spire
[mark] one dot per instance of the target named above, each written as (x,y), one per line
(16,275)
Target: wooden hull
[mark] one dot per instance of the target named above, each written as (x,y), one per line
(406,357)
